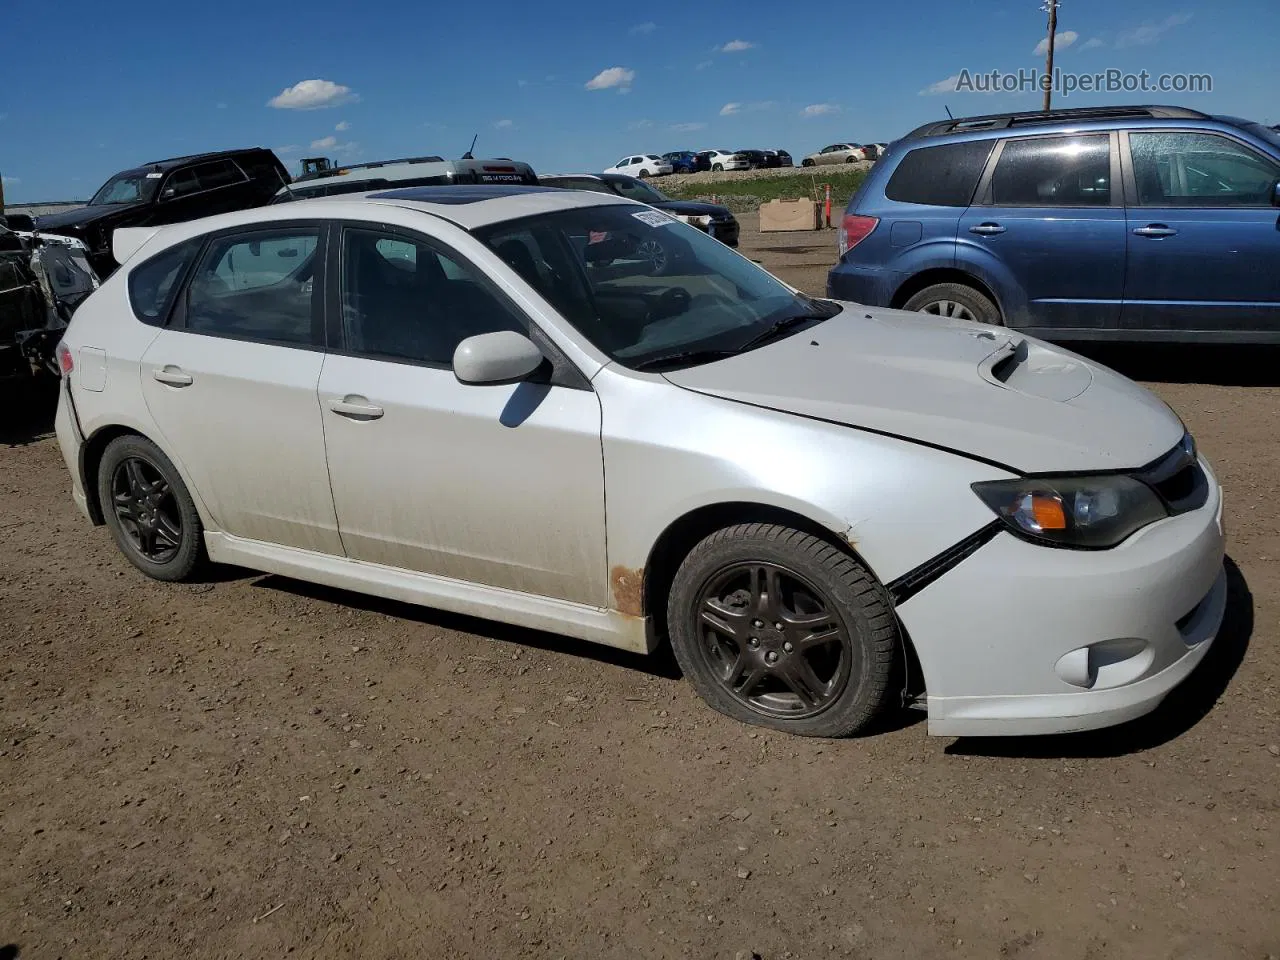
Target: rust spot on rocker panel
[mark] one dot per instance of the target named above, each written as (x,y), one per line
(627,587)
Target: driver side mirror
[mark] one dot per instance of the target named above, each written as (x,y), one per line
(495,358)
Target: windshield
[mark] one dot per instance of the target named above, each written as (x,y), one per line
(127,188)
(636,190)
(645,288)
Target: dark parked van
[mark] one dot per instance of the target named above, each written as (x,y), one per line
(169,191)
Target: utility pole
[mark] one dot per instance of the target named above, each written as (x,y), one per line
(1050,7)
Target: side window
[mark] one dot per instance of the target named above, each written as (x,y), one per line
(257,286)
(180,184)
(403,299)
(1053,171)
(152,284)
(586,183)
(1199,170)
(944,176)
(219,173)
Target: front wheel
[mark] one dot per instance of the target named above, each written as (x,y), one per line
(955,301)
(779,628)
(148,510)
(806,163)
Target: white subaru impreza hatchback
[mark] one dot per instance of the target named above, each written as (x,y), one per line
(569,411)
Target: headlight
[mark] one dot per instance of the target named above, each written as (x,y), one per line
(702,220)
(1086,512)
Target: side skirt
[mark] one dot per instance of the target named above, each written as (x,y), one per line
(597,625)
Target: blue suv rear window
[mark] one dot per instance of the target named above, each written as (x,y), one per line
(942,176)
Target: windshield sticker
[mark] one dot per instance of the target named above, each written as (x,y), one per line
(653,218)
(154,176)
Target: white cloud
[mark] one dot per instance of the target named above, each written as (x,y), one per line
(312,95)
(703,65)
(642,29)
(324,143)
(222,106)
(522,83)
(342,125)
(10,180)
(503,124)
(687,127)
(291,148)
(735,46)
(1151,32)
(729,109)
(1061,40)
(1092,44)
(639,124)
(620,77)
(819,110)
(942,86)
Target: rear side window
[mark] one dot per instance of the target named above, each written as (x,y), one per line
(1053,172)
(219,173)
(152,284)
(257,286)
(942,176)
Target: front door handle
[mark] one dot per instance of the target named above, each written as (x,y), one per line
(355,407)
(986,229)
(1155,230)
(173,376)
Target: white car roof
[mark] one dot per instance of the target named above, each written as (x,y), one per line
(467,206)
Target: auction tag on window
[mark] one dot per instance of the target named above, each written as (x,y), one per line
(653,218)
(154,176)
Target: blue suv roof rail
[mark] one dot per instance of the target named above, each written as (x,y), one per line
(998,121)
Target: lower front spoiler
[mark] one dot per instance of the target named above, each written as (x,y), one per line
(1073,712)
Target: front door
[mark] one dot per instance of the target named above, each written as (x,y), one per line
(1204,235)
(231,384)
(1052,219)
(496,485)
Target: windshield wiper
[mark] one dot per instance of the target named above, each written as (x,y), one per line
(683,357)
(782,325)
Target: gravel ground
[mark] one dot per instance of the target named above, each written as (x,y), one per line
(255,767)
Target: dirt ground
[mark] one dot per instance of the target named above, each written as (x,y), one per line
(254,767)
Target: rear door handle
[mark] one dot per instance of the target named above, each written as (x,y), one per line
(986,229)
(1155,230)
(173,376)
(355,408)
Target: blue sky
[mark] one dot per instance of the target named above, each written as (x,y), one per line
(104,87)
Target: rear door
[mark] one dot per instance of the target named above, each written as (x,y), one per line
(1049,224)
(1204,235)
(231,384)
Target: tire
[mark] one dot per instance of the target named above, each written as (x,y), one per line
(749,670)
(806,162)
(644,174)
(850,159)
(955,300)
(718,168)
(163,516)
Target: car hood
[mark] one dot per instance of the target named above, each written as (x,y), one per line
(691,208)
(983,391)
(83,217)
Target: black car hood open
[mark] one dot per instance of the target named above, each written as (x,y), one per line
(691,208)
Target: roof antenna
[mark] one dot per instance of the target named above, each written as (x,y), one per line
(948,109)
(467,155)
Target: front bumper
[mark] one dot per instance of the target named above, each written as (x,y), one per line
(1025,639)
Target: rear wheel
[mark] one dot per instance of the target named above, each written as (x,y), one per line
(148,510)
(644,174)
(850,159)
(956,301)
(806,162)
(778,628)
(718,168)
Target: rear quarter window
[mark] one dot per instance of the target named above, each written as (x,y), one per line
(942,176)
(154,284)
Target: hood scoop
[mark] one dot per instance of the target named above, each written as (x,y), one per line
(1035,371)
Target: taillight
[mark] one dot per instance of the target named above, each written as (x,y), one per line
(65,361)
(853,230)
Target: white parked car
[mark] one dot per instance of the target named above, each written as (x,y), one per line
(718,160)
(642,165)
(488,400)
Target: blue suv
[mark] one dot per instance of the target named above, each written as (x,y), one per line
(1118,223)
